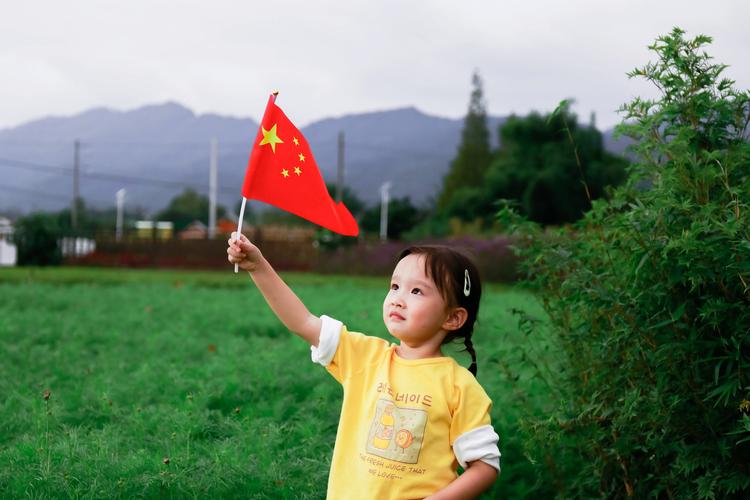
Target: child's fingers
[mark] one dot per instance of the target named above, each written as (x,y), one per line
(235,252)
(242,247)
(242,238)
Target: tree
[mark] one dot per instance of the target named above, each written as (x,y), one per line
(649,301)
(36,237)
(473,156)
(249,216)
(188,207)
(330,240)
(355,205)
(402,217)
(538,166)
(92,222)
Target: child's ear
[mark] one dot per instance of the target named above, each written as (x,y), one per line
(456,319)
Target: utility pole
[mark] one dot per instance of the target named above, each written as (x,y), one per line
(120,201)
(384,200)
(76,165)
(212,188)
(340,175)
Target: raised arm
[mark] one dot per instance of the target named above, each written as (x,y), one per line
(280,298)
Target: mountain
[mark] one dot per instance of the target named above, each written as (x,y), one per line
(155,151)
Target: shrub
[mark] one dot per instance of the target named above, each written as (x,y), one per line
(493,257)
(649,299)
(36,237)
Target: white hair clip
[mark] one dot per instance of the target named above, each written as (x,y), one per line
(467,283)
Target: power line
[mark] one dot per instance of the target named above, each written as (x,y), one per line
(202,144)
(66,142)
(35,166)
(109,177)
(32,192)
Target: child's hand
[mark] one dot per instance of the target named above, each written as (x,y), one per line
(243,253)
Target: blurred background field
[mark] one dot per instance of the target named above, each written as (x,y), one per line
(184,384)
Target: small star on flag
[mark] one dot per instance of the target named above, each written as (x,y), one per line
(285,172)
(297,170)
(301,157)
(295,141)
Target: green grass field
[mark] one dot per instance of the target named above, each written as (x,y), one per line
(183,384)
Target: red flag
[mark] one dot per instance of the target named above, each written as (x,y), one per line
(282,172)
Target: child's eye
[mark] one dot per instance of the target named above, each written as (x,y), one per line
(416,291)
(394,286)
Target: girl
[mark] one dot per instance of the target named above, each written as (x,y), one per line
(410,415)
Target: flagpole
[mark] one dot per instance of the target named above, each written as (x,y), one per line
(275,94)
(239,228)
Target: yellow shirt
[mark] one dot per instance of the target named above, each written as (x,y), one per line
(399,420)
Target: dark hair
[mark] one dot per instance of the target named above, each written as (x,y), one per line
(447,267)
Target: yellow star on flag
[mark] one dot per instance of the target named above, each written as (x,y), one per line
(301,157)
(270,137)
(285,172)
(295,141)
(297,170)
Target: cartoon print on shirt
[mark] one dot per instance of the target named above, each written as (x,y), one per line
(396,433)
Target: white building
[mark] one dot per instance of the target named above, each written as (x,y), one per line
(8,252)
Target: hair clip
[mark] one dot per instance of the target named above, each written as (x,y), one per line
(467,283)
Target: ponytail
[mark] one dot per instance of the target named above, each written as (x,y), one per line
(470,348)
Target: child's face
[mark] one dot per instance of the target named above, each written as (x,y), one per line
(414,310)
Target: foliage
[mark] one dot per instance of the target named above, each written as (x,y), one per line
(36,237)
(147,365)
(433,225)
(549,164)
(649,300)
(328,239)
(552,166)
(94,221)
(187,207)
(249,217)
(402,216)
(494,257)
(473,157)
(355,205)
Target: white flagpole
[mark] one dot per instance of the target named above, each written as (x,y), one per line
(239,228)
(244,200)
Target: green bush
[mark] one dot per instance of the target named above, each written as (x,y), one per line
(36,238)
(649,299)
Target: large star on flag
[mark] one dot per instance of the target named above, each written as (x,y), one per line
(270,137)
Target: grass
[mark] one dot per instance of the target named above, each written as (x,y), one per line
(168,384)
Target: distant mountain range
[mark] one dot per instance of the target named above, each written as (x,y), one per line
(155,151)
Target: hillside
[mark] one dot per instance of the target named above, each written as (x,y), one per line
(155,151)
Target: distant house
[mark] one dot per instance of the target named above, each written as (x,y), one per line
(225,227)
(147,229)
(76,247)
(8,251)
(196,230)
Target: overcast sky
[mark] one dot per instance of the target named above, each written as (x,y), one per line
(329,58)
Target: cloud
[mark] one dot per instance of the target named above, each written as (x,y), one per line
(331,58)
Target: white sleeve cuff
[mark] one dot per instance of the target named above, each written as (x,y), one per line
(478,444)
(330,332)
